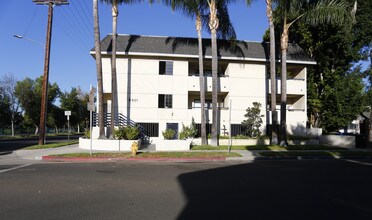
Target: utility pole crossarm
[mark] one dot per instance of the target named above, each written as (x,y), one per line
(54,2)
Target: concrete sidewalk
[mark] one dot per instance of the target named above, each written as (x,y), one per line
(40,153)
(43,154)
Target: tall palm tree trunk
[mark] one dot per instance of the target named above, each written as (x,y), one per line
(274,116)
(213,25)
(283,104)
(115,13)
(97,46)
(201,81)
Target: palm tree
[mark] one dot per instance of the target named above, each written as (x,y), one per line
(274,117)
(97,46)
(203,132)
(213,26)
(115,13)
(320,11)
(194,8)
(198,9)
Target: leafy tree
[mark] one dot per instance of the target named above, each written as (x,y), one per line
(4,107)
(253,122)
(362,29)
(76,102)
(312,12)
(28,92)
(335,47)
(8,84)
(344,101)
(368,109)
(56,118)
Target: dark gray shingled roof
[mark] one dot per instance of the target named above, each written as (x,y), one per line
(189,46)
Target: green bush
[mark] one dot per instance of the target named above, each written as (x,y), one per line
(210,136)
(241,136)
(87,134)
(188,132)
(168,134)
(119,133)
(132,133)
(127,133)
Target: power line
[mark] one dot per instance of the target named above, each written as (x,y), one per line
(81,18)
(75,22)
(32,19)
(88,10)
(90,21)
(84,47)
(83,36)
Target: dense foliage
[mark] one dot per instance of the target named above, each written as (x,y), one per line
(252,124)
(76,101)
(336,93)
(188,131)
(169,134)
(127,133)
(20,102)
(28,92)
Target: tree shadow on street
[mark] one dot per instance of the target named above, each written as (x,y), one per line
(279,190)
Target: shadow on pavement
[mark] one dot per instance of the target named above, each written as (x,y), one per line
(279,190)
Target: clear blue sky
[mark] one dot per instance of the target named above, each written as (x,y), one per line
(71,64)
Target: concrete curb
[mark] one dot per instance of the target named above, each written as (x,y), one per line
(112,159)
(313,158)
(192,159)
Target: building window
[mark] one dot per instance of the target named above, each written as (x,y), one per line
(236,129)
(174,127)
(165,68)
(150,129)
(165,101)
(197,103)
(208,129)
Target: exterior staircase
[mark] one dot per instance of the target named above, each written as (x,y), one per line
(122,121)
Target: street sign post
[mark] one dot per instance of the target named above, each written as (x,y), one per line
(91,108)
(68,113)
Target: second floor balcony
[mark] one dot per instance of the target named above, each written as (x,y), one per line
(294,86)
(193,84)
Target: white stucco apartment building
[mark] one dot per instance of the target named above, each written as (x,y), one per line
(158,82)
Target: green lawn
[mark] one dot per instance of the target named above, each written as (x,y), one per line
(13,137)
(155,155)
(266,147)
(54,145)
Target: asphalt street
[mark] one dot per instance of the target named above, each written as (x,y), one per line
(9,145)
(287,189)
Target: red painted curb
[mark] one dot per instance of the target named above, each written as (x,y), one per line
(107,159)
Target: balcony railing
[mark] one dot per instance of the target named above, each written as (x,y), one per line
(294,86)
(194,84)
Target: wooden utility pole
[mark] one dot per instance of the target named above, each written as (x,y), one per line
(44,95)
